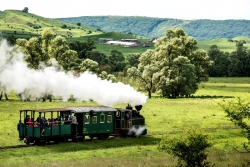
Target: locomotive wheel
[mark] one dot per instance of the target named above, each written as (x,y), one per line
(106,136)
(56,141)
(37,142)
(91,137)
(103,136)
(27,142)
(48,141)
(82,138)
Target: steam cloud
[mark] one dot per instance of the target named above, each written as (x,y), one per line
(136,131)
(17,77)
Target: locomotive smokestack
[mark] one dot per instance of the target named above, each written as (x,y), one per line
(138,108)
(129,107)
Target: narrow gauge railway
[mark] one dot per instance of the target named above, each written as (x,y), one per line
(14,146)
(75,123)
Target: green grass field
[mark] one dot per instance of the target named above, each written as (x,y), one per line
(164,118)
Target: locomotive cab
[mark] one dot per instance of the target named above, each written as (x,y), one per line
(129,122)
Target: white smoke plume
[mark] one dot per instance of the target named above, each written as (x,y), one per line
(17,77)
(136,131)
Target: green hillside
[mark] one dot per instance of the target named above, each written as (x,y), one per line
(26,25)
(155,27)
(223,43)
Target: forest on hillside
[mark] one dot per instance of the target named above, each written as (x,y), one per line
(156,27)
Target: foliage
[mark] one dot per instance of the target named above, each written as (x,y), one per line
(174,68)
(133,59)
(67,58)
(221,62)
(155,27)
(82,47)
(25,10)
(117,61)
(89,65)
(189,148)
(236,63)
(145,72)
(181,65)
(45,49)
(57,47)
(239,113)
(104,75)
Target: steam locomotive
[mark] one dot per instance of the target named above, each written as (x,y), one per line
(75,123)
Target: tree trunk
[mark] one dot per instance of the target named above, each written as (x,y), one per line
(149,94)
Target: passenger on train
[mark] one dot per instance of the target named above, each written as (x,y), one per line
(74,120)
(29,122)
(52,122)
(42,126)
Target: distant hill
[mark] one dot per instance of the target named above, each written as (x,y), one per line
(155,27)
(26,25)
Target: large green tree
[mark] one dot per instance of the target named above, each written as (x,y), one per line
(82,47)
(47,36)
(181,65)
(240,59)
(143,74)
(34,52)
(89,65)
(58,46)
(175,67)
(221,62)
(117,60)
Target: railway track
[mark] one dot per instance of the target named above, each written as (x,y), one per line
(15,146)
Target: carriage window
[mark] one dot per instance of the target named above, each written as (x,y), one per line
(102,119)
(86,119)
(94,119)
(109,120)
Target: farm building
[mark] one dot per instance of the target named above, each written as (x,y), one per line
(125,44)
(104,40)
(154,40)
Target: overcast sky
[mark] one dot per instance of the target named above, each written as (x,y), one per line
(179,9)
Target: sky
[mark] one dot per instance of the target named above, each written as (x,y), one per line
(177,9)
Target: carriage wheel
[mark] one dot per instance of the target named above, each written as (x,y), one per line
(91,137)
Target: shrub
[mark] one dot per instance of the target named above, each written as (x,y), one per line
(190,148)
(64,26)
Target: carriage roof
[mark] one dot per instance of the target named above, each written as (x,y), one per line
(80,109)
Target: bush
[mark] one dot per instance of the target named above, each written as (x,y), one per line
(190,148)
(64,26)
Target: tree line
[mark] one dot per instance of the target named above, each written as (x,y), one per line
(174,68)
(75,56)
(225,64)
(155,27)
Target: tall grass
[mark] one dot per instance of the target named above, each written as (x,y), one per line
(164,118)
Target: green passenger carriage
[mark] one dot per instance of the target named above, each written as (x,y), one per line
(74,123)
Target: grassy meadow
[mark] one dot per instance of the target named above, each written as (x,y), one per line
(223,44)
(164,118)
